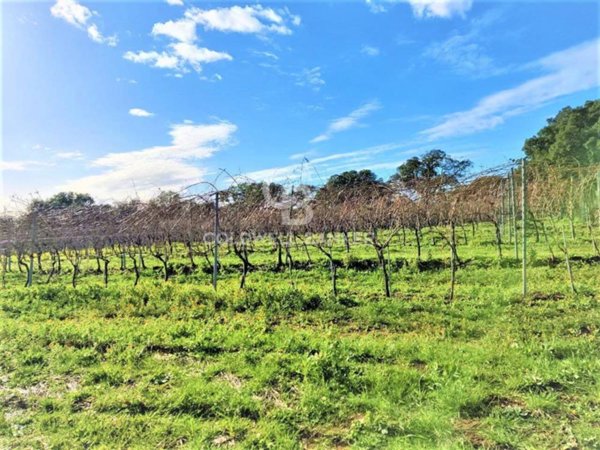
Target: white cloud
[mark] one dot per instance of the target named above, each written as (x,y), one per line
(175,2)
(369,50)
(183,30)
(21,165)
(244,19)
(214,78)
(318,169)
(161,60)
(183,53)
(444,9)
(375,6)
(568,71)
(139,112)
(126,80)
(17,166)
(347,122)
(39,147)
(72,12)
(310,77)
(266,54)
(144,172)
(195,56)
(465,53)
(69,155)
(79,16)
(95,35)
(178,56)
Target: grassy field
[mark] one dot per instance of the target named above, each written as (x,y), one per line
(284,365)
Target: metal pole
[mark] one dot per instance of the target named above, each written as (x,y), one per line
(598,196)
(30,269)
(216,256)
(502,213)
(513,206)
(524,224)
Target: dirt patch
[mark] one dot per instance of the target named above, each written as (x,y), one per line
(536,297)
(540,386)
(232,380)
(484,406)
(272,397)
(224,440)
(586,260)
(418,364)
(471,430)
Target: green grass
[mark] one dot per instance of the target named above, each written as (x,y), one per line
(284,365)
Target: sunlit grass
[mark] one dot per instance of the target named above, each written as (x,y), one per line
(283,364)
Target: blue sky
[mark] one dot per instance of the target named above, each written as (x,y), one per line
(123,99)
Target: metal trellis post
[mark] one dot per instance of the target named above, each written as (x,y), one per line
(216,256)
(30,268)
(513,206)
(524,224)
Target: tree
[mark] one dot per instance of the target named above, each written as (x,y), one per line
(63,200)
(251,194)
(434,167)
(350,184)
(570,138)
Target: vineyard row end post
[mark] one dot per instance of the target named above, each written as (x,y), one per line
(216,255)
(524,224)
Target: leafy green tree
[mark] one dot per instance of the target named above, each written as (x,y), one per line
(251,194)
(63,200)
(570,138)
(350,184)
(434,166)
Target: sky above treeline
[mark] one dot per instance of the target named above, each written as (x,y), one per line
(125,99)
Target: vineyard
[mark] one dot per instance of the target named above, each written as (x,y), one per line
(542,204)
(433,314)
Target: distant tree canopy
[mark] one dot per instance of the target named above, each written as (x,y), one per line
(434,166)
(350,183)
(63,200)
(251,194)
(570,138)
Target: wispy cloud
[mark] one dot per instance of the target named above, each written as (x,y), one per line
(264,54)
(369,50)
(79,16)
(214,78)
(175,2)
(169,167)
(69,155)
(444,9)
(179,57)
(22,165)
(318,169)
(352,120)
(139,112)
(309,77)
(376,6)
(566,72)
(465,53)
